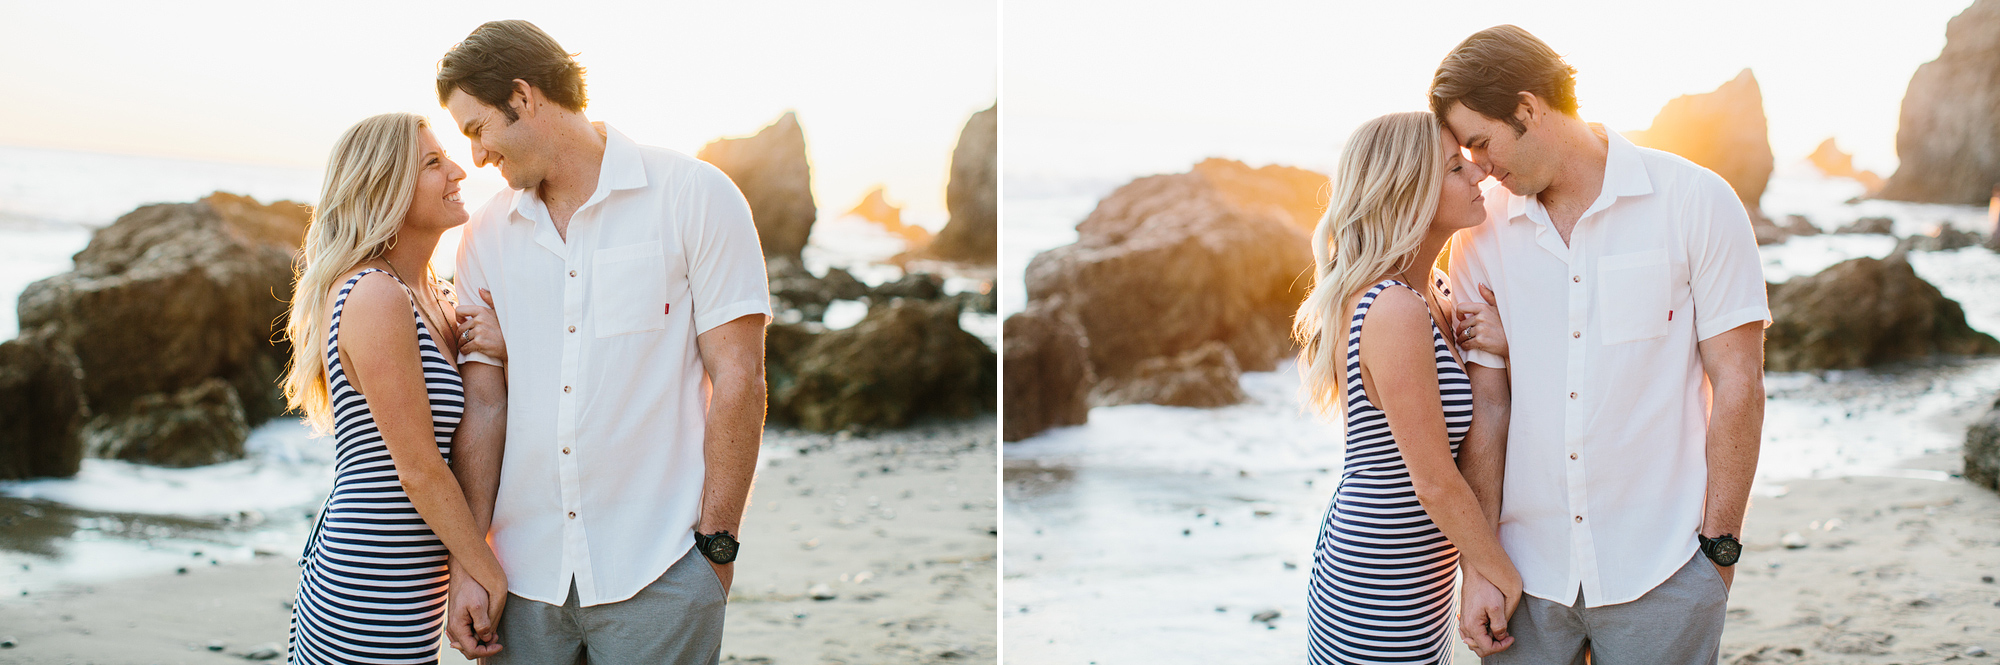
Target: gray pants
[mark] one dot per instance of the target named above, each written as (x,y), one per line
(676,619)
(1679,622)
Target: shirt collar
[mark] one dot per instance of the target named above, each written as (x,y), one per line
(621,168)
(1624,175)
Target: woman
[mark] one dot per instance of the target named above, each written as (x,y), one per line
(373,343)
(1403,516)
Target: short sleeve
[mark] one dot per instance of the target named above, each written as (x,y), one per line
(1726,273)
(469,276)
(1467,270)
(725,261)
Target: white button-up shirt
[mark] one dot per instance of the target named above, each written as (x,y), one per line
(606,396)
(1606,447)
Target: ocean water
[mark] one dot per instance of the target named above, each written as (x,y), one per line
(1154,534)
(116,519)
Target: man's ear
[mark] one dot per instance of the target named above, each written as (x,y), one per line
(522,99)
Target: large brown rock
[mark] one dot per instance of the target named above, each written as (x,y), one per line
(174,297)
(972,194)
(1168,263)
(1204,377)
(904,360)
(41,409)
(1835,163)
(772,171)
(1864,312)
(1982,450)
(1948,139)
(1048,372)
(1723,131)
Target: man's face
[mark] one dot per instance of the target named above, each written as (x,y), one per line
(1518,161)
(497,141)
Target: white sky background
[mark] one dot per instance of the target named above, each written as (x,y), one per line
(882,88)
(1118,88)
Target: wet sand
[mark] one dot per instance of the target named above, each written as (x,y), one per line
(899,526)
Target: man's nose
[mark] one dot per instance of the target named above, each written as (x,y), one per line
(478,154)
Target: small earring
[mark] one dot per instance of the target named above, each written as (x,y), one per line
(392,242)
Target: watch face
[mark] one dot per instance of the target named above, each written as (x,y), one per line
(720,548)
(1726,551)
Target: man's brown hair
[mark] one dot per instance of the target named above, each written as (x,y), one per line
(1489,70)
(486,63)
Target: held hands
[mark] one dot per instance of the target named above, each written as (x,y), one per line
(473,616)
(1478,325)
(1484,609)
(479,329)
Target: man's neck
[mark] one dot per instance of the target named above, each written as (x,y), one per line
(1582,152)
(572,177)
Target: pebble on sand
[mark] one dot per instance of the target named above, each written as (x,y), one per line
(822,592)
(1793,541)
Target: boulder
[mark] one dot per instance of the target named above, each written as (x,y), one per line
(1865,312)
(772,171)
(1877,225)
(876,209)
(905,359)
(1206,376)
(1723,131)
(1982,450)
(1048,372)
(202,424)
(41,410)
(168,298)
(1944,237)
(1948,137)
(916,285)
(1835,163)
(1799,225)
(972,194)
(1168,263)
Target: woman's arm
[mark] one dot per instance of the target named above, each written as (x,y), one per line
(1397,354)
(378,337)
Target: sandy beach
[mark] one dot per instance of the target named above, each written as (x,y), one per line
(899,526)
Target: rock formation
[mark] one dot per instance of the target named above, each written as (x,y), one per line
(1875,225)
(1982,450)
(1723,131)
(875,208)
(1206,376)
(972,194)
(906,359)
(1944,237)
(772,171)
(1948,138)
(1865,312)
(1048,372)
(1830,160)
(169,320)
(1169,263)
(41,409)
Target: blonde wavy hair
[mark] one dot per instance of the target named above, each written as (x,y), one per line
(1385,193)
(371,178)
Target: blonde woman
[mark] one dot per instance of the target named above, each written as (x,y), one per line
(373,342)
(1374,349)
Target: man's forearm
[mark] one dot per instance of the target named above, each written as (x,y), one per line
(481,440)
(730,441)
(1735,434)
(1482,456)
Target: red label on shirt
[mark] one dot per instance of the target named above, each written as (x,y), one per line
(1670,315)
(670,310)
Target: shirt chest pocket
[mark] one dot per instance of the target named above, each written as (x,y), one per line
(633,289)
(1633,296)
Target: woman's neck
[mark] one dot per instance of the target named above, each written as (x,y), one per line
(410,259)
(1418,275)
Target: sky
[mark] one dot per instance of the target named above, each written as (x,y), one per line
(881,87)
(1119,88)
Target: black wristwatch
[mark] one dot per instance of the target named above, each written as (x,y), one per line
(719,547)
(1723,549)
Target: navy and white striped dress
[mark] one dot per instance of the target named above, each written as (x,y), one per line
(374,575)
(1381,589)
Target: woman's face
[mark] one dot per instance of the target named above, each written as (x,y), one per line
(1460,204)
(436,206)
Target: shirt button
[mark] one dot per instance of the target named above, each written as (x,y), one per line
(1579,518)
(1572,395)
(1571,455)
(572,273)
(573,516)
(572,328)
(1574,278)
(1574,335)
(566,452)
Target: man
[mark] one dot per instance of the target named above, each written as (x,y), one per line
(631,287)
(1630,284)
